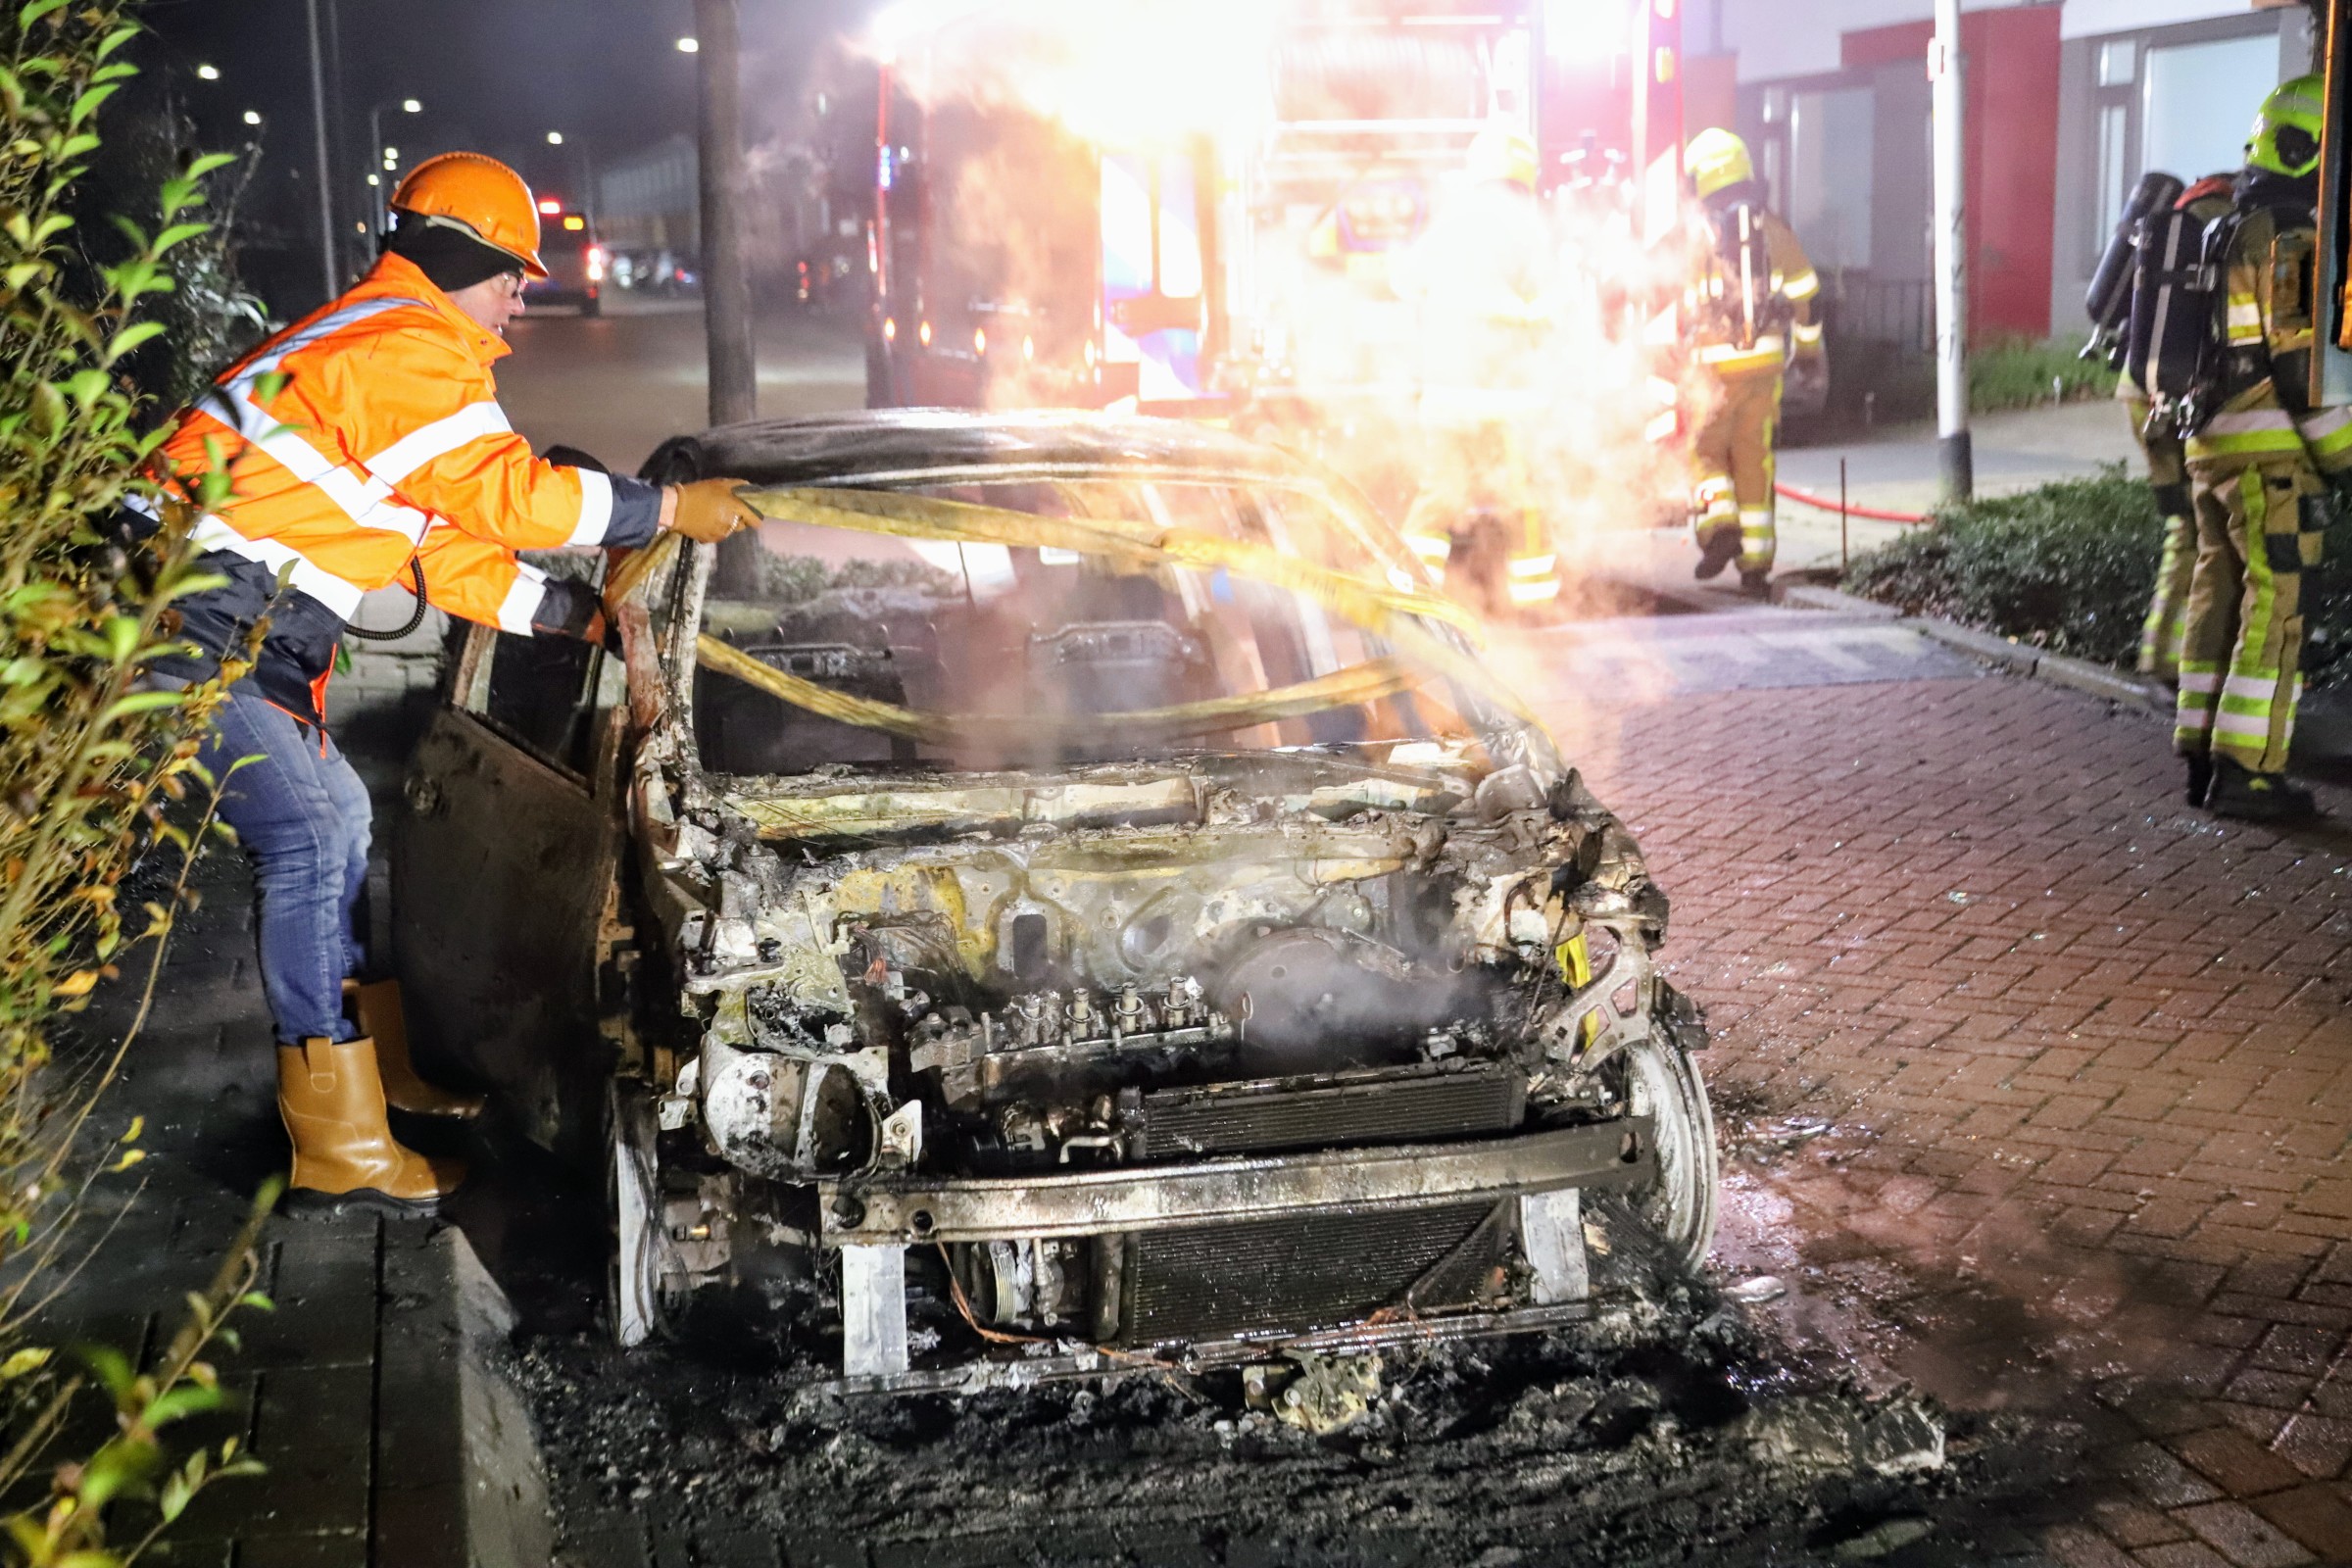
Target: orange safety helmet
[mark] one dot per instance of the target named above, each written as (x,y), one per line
(480,196)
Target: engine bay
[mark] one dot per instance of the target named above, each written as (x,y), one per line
(1248,998)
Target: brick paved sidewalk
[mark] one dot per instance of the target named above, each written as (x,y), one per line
(2038,1085)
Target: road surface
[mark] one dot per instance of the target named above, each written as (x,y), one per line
(619,385)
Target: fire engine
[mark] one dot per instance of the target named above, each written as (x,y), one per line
(1230,260)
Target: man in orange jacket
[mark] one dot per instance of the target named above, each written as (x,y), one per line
(363,444)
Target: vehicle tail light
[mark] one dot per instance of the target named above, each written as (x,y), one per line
(596,263)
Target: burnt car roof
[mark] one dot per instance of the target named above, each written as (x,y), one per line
(877,443)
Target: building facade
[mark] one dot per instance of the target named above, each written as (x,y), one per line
(2068,104)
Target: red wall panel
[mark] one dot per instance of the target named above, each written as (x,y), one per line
(2012,155)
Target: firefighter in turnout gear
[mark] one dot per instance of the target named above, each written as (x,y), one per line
(1479,276)
(2168,479)
(1749,310)
(363,447)
(2256,452)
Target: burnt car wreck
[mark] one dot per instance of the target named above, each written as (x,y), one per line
(1071,900)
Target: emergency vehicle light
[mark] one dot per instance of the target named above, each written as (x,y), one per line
(550,206)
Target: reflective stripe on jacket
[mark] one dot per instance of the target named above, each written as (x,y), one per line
(367,433)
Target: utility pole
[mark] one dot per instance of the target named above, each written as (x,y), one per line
(327,270)
(338,145)
(726,283)
(1948,80)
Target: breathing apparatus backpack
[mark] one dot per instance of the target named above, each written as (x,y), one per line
(2178,349)
(2108,300)
(2173,349)
(1743,305)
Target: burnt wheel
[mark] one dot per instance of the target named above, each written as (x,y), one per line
(633,1281)
(1662,1082)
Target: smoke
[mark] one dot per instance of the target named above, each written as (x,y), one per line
(1116,202)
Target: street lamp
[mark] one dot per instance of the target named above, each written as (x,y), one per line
(688,46)
(252,117)
(208,72)
(584,200)
(388,157)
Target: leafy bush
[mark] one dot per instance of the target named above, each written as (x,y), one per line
(208,315)
(2070,567)
(2021,374)
(93,767)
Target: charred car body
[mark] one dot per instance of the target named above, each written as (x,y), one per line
(1067,891)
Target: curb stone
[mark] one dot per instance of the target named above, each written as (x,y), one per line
(2081,674)
(459,1483)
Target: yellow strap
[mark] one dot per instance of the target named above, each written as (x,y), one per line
(1342,688)
(1390,613)
(908,516)
(637,565)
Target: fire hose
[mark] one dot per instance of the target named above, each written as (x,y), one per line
(1874,513)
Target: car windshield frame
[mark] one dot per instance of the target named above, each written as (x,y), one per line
(1490,714)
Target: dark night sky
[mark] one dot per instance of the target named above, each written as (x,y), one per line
(495,75)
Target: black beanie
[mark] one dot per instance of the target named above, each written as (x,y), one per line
(450,257)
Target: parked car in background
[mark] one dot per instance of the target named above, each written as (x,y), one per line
(1068,896)
(576,263)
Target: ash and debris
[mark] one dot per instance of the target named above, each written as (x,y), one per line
(1667,1433)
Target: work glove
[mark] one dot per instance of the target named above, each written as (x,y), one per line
(706,510)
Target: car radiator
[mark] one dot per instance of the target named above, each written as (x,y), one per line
(1316,1270)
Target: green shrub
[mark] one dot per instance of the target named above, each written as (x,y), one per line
(2021,374)
(93,773)
(2070,567)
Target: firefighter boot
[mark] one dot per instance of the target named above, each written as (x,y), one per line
(2200,777)
(344,1152)
(2250,796)
(1756,584)
(376,1007)
(1718,548)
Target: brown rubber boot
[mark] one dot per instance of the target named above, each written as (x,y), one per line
(375,1008)
(344,1152)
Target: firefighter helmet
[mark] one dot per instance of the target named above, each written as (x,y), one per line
(480,196)
(1503,156)
(2285,138)
(1716,160)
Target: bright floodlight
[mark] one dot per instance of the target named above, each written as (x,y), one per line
(1588,30)
(687,46)
(410,106)
(252,117)
(555,138)
(208,72)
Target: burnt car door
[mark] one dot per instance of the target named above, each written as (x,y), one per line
(506,916)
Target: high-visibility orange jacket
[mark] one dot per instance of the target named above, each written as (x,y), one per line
(366,434)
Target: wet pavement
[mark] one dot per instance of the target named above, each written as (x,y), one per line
(2036,1085)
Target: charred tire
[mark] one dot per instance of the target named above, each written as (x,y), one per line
(1662,1082)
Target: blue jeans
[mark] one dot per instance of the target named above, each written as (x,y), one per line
(302,817)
